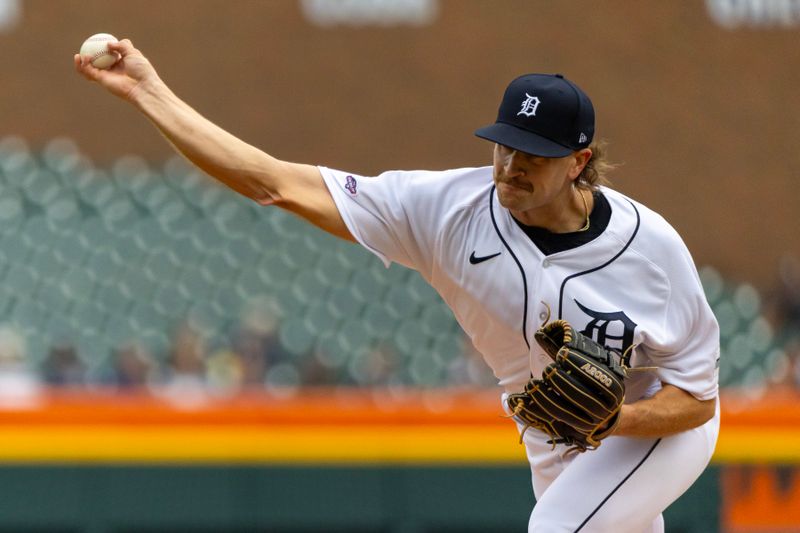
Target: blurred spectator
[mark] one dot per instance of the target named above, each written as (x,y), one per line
(185,375)
(19,384)
(256,341)
(225,371)
(63,367)
(133,365)
(786,296)
(187,358)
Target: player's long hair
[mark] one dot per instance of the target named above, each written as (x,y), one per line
(595,173)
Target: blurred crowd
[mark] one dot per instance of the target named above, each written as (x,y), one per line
(782,307)
(251,357)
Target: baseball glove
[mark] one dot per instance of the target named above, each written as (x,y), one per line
(578,398)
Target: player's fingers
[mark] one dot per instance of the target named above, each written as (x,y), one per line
(123,47)
(84,67)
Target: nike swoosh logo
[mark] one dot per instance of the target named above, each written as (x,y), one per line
(474,260)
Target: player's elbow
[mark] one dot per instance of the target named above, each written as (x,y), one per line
(705,411)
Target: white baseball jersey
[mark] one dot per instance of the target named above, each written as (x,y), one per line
(635,284)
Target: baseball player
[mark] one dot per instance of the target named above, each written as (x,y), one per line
(536,236)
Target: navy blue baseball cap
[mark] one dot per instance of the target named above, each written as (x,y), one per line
(543,114)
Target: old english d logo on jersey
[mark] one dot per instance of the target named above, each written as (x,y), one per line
(598,328)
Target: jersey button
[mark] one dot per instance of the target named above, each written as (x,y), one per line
(542,315)
(546,263)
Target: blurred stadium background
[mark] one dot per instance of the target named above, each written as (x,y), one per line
(168,349)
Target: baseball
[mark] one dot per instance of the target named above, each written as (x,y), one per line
(95,46)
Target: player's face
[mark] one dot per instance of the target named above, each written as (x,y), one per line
(527,182)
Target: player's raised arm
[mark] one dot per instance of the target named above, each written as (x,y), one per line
(244,168)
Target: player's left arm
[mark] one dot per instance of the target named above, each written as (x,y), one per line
(671,410)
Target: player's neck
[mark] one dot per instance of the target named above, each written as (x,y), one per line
(567,215)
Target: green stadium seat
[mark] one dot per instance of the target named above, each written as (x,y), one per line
(132,173)
(366,287)
(295,337)
(12,213)
(192,285)
(62,156)
(437,320)
(400,303)
(125,249)
(45,262)
(308,288)
(332,270)
(352,336)
(21,280)
(728,318)
(242,253)
(447,348)
(38,234)
(162,267)
(152,197)
(41,188)
(279,273)
(16,162)
(28,315)
(747,301)
(231,217)
(120,215)
(319,318)
(169,303)
(97,190)
(176,218)
(285,226)
(341,304)
(206,237)
(114,299)
(148,237)
(378,321)
(425,371)
(226,301)
(713,284)
(68,251)
(136,285)
(411,338)
(94,235)
(300,252)
(64,214)
(88,316)
(77,284)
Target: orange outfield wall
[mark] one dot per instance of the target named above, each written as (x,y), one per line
(356,426)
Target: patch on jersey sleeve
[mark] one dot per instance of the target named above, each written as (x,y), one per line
(351,185)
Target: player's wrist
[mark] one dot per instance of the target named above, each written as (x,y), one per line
(148,92)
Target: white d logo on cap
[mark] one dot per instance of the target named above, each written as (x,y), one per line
(529,106)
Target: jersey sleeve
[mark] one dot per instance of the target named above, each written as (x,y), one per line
(389,214)
(687,351)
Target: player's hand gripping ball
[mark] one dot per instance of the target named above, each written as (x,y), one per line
(578,398)
(96,48)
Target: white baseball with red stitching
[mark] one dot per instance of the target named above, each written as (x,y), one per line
(96,47)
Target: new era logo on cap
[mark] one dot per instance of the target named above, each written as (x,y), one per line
(543,114)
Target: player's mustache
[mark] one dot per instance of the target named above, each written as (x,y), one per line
(518,184)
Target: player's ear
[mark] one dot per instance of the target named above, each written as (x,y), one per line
(579,160)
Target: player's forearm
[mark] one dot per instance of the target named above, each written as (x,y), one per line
(221,155)
(671,410)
